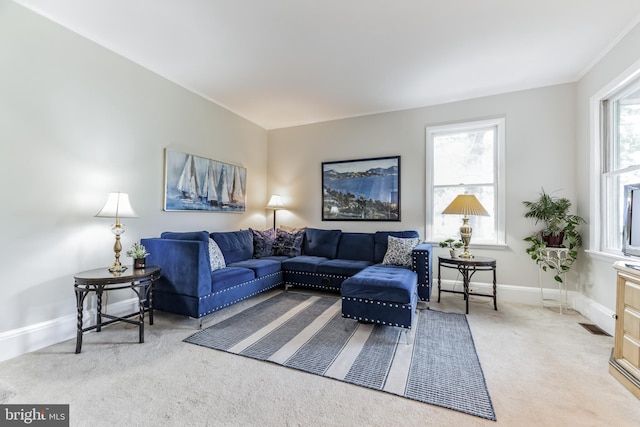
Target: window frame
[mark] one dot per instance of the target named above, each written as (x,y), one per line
(604,155)
(499,174)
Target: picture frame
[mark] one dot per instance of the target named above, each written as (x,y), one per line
(194,183)
(361,190)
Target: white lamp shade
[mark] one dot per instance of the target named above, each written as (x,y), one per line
(275,202)
(117,206)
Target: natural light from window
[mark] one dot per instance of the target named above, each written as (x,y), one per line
(465,157)
(620,160)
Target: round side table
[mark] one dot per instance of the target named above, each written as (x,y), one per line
(467,268)
(101,280)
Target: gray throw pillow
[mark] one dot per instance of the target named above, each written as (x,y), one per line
(399,251)
(215,256)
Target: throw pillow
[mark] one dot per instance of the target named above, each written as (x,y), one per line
(263,242)
(291,229)
(287,243)
(215,256)
(399,251)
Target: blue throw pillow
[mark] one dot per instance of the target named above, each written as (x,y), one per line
(288,243)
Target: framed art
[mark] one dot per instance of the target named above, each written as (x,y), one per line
(361,190)
(194,183)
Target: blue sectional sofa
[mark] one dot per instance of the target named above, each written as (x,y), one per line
(188,285)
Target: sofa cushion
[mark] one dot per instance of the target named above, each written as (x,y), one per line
(382,283)
(303,263)
(342,267)
(319,242)
(356,246)
(263,242)
(216,259)
(399,251)
(381,241)
(288,244)
(261,267)
(230,276)
(235,245)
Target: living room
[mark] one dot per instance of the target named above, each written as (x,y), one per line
(79,121)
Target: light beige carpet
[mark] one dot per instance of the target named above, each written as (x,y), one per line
(541,368)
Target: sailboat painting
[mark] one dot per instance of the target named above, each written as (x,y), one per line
(194,183)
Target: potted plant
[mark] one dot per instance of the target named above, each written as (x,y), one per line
(138,252)
(453,245)
(560,231)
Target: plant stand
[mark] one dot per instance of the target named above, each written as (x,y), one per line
(554,258)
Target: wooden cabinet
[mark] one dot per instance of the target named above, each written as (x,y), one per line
(625,360)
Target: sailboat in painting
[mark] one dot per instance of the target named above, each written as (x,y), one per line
(237,195)
(188,182)
(210,185)
(224,197)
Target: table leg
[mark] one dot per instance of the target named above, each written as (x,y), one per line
(99,310)
(465,281)
(438,281)
(495,292)
(79,305)
(150,299)
(141,300)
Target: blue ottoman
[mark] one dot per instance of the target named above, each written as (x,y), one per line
(381,294)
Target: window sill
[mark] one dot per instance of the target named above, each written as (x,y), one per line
(605,256)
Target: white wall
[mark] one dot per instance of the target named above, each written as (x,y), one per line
(539,153)
(76,122)
(597,275)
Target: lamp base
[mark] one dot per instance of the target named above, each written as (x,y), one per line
(117,267)
(465,236)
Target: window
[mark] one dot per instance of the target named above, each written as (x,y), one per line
(466,157)
(620,160)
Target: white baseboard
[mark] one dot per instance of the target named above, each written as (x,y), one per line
(34,337)
(595,312)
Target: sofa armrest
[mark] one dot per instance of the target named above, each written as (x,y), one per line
(421,264)
(185,265)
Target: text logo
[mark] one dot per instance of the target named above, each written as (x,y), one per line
(34,415)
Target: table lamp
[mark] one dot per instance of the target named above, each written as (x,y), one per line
(275,203)
(117,206)
(465,204)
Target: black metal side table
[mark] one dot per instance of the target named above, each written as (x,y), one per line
(102,280)
(467,268)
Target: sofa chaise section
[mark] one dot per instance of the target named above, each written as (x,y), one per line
(330,257)
(188,285)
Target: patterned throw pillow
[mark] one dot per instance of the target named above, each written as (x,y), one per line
(263,242)
(215,256)
(287,243)
(399,251)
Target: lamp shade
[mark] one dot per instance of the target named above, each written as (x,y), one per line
(466,204)
(275,202)
(117,206)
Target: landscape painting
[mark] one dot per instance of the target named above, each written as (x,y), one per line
(361,190)
(195,183)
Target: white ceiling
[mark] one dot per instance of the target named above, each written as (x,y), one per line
(282,63)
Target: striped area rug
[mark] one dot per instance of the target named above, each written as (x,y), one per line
(306,332)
